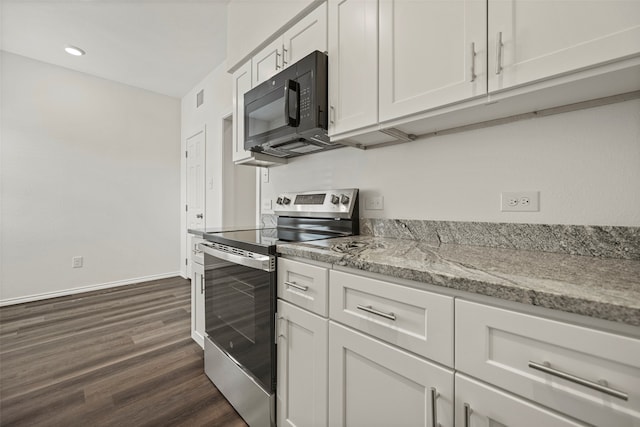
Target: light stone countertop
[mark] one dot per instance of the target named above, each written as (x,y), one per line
(603,288)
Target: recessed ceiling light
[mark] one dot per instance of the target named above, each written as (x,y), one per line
(75,51)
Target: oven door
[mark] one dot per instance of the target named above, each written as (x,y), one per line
(239,308)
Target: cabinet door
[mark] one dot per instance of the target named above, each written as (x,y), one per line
(353,64)
(533,40)
(490,407)
(374,384)
(267,62)
(431,54)
(241,84)
(507,348)
(309,34)
(302,367)
(197,303)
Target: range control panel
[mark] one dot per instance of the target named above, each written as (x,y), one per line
(319,204)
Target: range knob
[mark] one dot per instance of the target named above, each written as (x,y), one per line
(344,199)
(286,200)
(335,199)
(279,201)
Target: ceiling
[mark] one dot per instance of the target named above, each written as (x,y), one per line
(165,46)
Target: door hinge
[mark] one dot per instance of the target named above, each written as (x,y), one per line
(186,154)
(186,208)
(186,261)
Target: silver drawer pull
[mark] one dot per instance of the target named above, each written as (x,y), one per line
(372,310)
(546,368)
(295,285)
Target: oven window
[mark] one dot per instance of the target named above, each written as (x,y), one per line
(239,302)
(234,300)
(267,113)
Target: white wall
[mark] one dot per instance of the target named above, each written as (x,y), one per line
(90,168)
(586,165)
(209,117)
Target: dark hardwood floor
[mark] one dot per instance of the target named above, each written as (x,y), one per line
(116,357)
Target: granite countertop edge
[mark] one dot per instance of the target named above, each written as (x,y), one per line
(587,295)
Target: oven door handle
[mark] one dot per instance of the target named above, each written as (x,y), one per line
(259,262)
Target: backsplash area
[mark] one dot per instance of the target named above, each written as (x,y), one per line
(596,241)
(583,163)
(586,240)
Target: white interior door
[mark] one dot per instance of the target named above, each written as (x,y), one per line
(195,185)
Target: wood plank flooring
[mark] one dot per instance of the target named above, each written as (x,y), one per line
(116,357)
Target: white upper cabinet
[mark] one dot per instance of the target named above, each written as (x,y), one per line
(241,84)
(533,40)
(432,53)
(267,62)
(307,35)
(353,64)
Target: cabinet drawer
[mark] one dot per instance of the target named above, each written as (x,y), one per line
(489,407)
(419,321)
(374,384)
(304,285)
(505,347)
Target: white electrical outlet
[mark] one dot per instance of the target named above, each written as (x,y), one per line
(76,262)
(520,201)
(265,175)
(266,205)
(374,203)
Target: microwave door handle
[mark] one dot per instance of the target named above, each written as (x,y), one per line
(289,87)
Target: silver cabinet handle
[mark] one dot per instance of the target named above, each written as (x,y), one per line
(202,283)
(372,310)
(473,62)
(277,333)
(467,415)
(295,285)
(284,55)
(601,387)
(332,116)
(277,56)
(199,216)
(499,52)
(434,409)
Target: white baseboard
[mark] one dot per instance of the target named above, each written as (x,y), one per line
(81,289)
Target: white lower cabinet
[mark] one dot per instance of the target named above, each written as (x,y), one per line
(384,358)
(302,367)
(375,384)
(479,405)
(591,375)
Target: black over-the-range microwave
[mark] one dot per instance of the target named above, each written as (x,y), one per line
(287,115)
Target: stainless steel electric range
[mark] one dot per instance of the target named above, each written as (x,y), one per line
(240,295)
